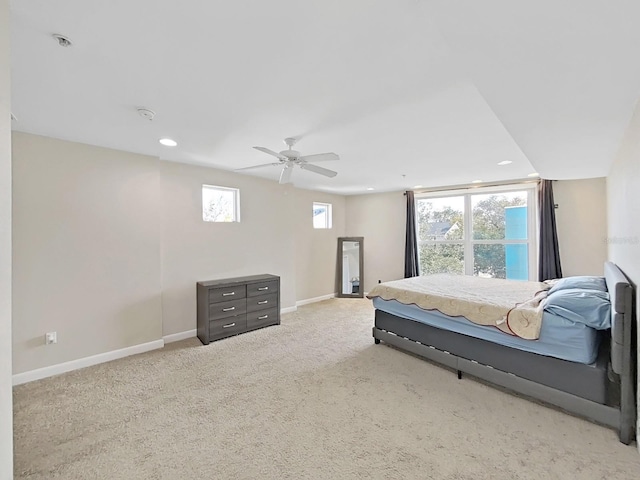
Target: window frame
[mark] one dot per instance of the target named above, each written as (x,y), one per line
(236,202)
(468,241)
(328,224)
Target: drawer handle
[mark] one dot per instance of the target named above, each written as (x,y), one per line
(227,294)
(263,317)
(263,288)
(230,325)
(228,309)
(263,303)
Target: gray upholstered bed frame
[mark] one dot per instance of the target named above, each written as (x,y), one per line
(603,391)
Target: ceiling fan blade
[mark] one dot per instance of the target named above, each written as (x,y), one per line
(320,157)
(259,166)
(285,175)
(271,152)
(316,169)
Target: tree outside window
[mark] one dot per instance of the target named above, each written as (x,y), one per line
(440,234)
(321,215)
(220,204)
(478,234)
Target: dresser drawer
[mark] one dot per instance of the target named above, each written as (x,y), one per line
(262,288)
(227,309)
(262,302)
(225,294)
(262,318)
(227,326)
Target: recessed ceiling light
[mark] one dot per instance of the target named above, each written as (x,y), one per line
(167,142)
(370,188)
(534,174)
(418,186)
(505,162)
(476,181)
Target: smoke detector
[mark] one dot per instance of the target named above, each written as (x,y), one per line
(62,40)
(146,113)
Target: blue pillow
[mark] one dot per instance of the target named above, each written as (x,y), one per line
(591,307)
(582,282)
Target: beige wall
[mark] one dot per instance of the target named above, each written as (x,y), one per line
(275,235)
(381,220)
(316,249)
(86,250)
(109,245)
(194,250)
(623,194)
(581,218)
(6,414)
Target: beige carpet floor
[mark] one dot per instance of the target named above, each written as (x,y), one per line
(313,398)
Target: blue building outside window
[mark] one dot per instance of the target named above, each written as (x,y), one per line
(516,255)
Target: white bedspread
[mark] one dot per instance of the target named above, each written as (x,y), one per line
(512,306)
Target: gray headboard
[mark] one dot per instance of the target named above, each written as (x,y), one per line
(622,356)
(621,294)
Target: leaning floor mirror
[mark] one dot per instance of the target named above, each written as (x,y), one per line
(350,267)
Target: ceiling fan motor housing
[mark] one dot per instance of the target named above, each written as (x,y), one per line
(290,154)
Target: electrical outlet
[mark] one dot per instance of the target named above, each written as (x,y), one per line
(51,337)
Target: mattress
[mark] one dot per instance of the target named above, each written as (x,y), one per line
(559,337)
(515,307)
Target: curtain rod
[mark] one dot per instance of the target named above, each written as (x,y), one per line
(472,187)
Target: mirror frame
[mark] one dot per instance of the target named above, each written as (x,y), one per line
(360,293)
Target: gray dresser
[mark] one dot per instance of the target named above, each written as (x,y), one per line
(231,306)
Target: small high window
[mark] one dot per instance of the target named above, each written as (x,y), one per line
(220,204)
(321,215)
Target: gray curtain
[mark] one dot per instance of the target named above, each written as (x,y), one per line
(549,254)
(411,266)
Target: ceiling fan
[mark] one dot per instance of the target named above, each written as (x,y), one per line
(290,158)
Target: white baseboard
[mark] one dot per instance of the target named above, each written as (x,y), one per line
(306,302)
(30,376)
(314,300)
(176,337)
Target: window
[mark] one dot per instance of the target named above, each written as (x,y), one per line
(321,215)
(489,234)
(220,204)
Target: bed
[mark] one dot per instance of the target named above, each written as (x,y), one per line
(587,371)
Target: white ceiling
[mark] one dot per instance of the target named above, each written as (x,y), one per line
(407,92)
